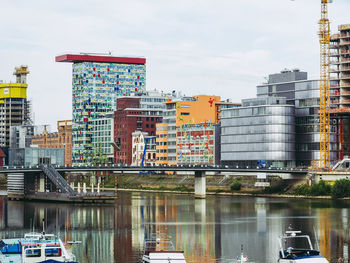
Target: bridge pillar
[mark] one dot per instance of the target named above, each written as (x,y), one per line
(199,184)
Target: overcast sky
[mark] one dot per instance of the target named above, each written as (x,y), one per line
(214,47)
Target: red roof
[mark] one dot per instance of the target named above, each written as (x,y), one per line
(106,59)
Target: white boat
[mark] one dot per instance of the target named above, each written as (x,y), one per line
(242,258)
(34,248)
(159,249)
(297,248)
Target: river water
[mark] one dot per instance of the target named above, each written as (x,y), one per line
(210,230)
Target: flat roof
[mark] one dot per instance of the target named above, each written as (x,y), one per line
(104,59)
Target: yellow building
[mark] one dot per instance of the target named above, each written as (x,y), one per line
(199,109)
(14,108)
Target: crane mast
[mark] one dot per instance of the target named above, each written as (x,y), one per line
(324,35)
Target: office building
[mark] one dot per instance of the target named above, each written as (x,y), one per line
(304,94)
(200,109)
(140,112)
(260,133)
(97,82)
(197,144)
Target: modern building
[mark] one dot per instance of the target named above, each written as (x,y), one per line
(14,106)
(21,136)
(139,140)
(135,113)
(196,144)
(340,87)
(33,156)
(261,133)
(97,82)
(200,109)
(304,94)
(103,136)
(61,139)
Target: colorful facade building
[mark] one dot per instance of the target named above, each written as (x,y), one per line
(139,140)
(132,115)
(60,139)
(14,107)
(97,82)
(202,109)
(196,144)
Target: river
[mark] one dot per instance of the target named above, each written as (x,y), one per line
(210,230)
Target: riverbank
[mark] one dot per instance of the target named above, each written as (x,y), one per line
(236,194)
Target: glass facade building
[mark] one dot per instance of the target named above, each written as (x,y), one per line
(305,96)
(97,81)
(34,156)
(102,137)
(260,133)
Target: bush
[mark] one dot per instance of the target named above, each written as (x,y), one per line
(341,188)
(321,188)
(277,188)
(303,189)
(236,185)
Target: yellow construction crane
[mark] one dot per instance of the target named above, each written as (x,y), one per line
(324,35)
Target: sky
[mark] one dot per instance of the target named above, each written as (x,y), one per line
(212,47)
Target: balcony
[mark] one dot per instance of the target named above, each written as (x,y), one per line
(345,60)
(345,102)
(334,70)
(345,93)
(345,85)
(334,54)
(334,86)
(344,43)
(345,76)
(347,35)
(346,52)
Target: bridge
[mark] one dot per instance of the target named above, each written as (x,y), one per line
(16,175)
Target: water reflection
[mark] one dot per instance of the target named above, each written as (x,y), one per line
(210,230)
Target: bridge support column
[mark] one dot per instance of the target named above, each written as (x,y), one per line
(199,184)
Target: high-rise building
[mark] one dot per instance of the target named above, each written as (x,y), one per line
(340,87)
(304,94)
(97,82)
(14,107)
(200,109)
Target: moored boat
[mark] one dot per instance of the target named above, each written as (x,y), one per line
(159,249)
(33,248)
(297,248)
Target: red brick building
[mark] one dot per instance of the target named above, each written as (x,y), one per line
(128,118)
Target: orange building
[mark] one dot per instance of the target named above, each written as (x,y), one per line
(200,109)
(60,139)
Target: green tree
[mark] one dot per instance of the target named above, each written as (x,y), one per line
(341,188)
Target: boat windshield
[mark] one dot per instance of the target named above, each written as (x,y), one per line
(297,242)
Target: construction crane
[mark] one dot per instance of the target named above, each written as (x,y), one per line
(324,34)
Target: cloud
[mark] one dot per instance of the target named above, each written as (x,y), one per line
(220,47)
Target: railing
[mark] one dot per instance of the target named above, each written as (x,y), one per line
(57,179)
(344,35)
(344,43)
